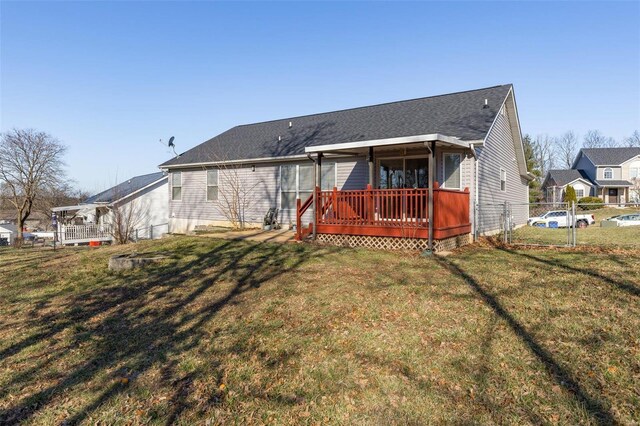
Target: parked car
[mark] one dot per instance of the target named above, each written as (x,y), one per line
(632,219)
(558,219)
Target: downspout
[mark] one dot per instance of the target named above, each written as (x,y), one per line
(315,193)
(475,192)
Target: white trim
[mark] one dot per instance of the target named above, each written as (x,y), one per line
(388,141)
(444,183)
(137,191)
(171,186)
(247,161)
(576,180)
(206,186)
(77,207)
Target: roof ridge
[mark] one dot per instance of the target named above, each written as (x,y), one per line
(373,105)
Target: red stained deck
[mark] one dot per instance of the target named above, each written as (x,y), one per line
(388,213)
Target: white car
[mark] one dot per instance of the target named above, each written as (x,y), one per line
(558,219)
(632,219)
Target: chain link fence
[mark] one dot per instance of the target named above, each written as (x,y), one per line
(560,224)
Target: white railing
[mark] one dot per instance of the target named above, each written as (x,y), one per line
(86,232)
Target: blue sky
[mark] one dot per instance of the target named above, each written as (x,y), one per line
(111,78)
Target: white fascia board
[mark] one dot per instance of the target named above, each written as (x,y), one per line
(165,177)
(388,142)
(581,180)
(76,207)
(247,161)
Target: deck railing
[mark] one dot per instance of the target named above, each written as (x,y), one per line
(86,232)
(391,212)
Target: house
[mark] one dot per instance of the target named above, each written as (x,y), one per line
(36,220)
(612,174)
(371,175)
(556,182)
(8,232)
(139,203)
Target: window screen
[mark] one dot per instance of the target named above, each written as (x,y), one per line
(176,186)
(452,171)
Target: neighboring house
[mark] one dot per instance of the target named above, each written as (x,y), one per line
(556,182)
(391,166)
(612,174)
(142,198)
(8,233)
(36,220)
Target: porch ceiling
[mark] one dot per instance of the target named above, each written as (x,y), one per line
(408,141)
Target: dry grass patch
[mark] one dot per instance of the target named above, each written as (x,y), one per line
(241,332)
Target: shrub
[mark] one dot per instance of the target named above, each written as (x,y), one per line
(570,195)
(590,203)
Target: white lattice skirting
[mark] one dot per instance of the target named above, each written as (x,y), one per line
(393,243)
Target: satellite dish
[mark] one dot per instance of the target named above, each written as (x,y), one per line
(171,144)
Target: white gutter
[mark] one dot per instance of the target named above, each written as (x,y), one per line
(76,207)
(243,161)
(388,142)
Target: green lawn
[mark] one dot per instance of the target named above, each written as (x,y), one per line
(231,332)
(593,235)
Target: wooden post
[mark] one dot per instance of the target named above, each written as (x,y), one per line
(316,192)
(371,168)
(431,165)
(370,204)
(298,220)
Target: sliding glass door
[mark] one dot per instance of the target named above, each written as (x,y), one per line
(396,173)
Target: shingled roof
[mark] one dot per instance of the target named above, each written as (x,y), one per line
(565,176)
(610,156)
(462,115)
(125,188)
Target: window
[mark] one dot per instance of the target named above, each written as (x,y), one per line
(608,173)
(328,179)
(176,186)
(634,172)
(452,170)
(212,185)
(579,193)
(296,181)
(503,180)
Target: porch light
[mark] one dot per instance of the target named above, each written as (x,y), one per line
(253,167)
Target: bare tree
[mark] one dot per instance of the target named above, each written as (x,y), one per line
(595,139)
(125,217)
(543,151)
(566,149)
(633,140)
(30,163)
(237,193)
(62,194)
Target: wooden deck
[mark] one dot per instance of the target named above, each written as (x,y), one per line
(84,234)
(388,213)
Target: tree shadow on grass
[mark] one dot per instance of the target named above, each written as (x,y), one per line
(148,322)
(596,409)
(627,287)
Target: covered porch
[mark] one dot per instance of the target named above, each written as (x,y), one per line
(80,224)
(402,199)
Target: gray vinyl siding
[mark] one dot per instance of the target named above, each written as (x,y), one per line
(353,173)
(587,166)
(499,152)
(262,190)
(617,173)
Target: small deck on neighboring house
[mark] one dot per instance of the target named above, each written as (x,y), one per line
(84,234)
(396,215)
